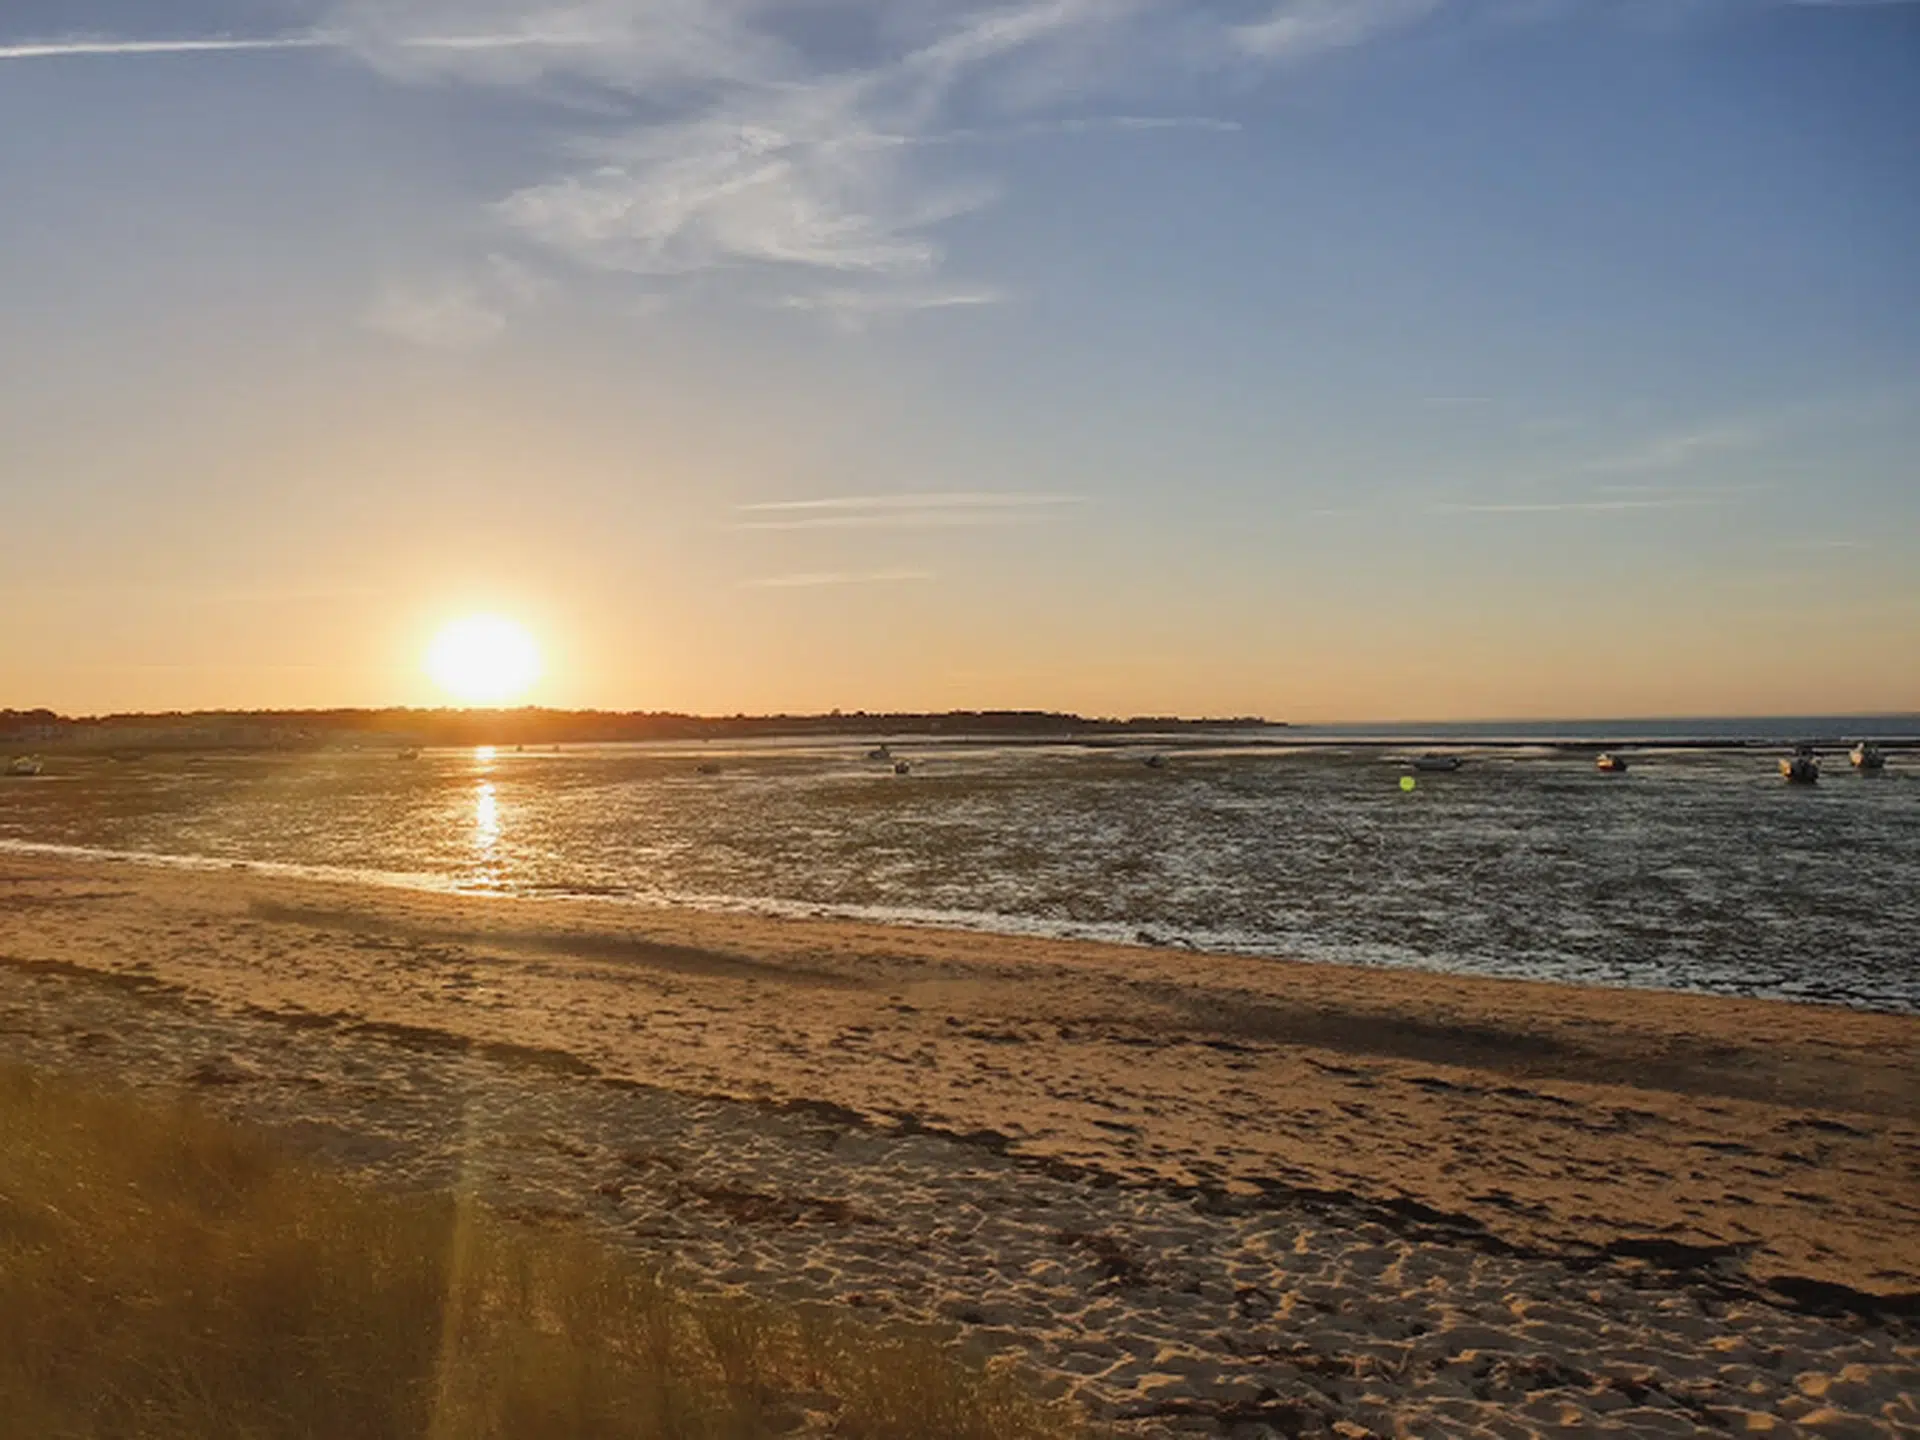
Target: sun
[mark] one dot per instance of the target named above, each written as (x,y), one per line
(484,660)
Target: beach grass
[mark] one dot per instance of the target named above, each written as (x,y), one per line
(165,1273)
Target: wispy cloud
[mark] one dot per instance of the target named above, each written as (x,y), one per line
(1661,460)
(763,152)
(714,194)
(927,500)
(459,310)
(954,510)
(1554,507)
(632,46)
(1673,452)
(1074,125)
(730,136)
(897,520)
(810,579)
(445,315)
(855,310)
(1297,29)
(779,163)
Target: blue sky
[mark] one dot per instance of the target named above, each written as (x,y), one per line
(1382,359)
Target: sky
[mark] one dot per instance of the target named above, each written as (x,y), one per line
(1318,359)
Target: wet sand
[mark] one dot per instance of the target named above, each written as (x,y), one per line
(1196,1190)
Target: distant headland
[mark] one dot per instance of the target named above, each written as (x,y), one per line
(305,729)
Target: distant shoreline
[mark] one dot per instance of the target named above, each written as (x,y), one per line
(267,729)
(440,728)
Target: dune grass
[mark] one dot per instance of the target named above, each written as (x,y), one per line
(166,1274)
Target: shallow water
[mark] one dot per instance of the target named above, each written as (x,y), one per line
(1697,870)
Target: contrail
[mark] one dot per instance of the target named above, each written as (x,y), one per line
(65,49)
(57,49)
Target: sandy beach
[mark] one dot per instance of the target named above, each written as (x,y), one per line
(1199,1192)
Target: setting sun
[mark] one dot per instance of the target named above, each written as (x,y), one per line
(484,660)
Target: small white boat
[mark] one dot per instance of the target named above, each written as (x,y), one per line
(1802,769)
(24,765)
(1610,763)
(1435,762)
(1867,756)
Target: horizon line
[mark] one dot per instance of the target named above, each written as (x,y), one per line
(277,712)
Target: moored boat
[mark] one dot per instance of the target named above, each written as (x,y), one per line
(1867,756)
(1610,763)
(24,765)
(1436,762)
(1802,768)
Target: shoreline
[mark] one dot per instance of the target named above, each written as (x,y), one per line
(650,993)
(1363,1163)
(990,926)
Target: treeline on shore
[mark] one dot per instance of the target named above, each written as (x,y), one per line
(274,729)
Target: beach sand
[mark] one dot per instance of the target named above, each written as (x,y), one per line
(1199,1192)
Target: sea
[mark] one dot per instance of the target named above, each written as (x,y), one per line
(1697,870)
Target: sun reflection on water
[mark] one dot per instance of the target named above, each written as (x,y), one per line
(486,820)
